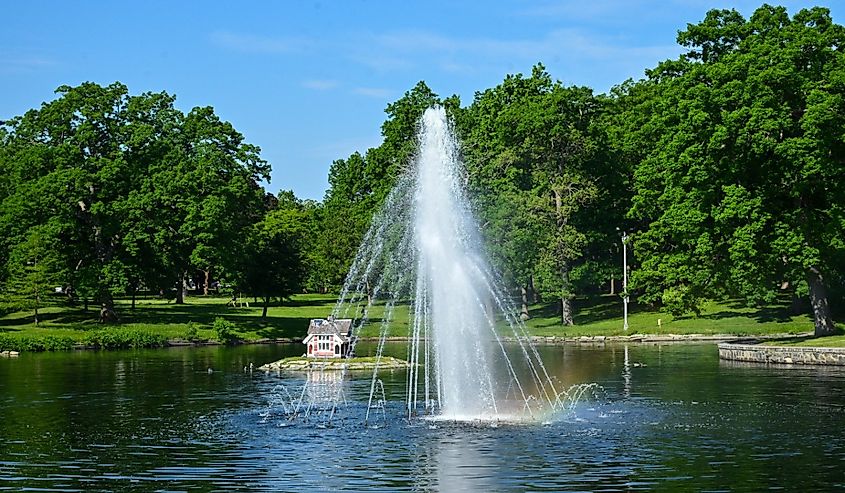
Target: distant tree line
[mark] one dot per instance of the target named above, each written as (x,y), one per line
(725,167)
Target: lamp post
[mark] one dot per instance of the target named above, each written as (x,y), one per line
(625,278)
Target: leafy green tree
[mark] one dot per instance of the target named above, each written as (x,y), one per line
(137,192)
(741,185)
(198,201)
(67,166)
(359,184)
(530,154)
(34,270)
(274,260)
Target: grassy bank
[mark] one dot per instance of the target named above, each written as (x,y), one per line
(602,315)
(829,341)
(155,321)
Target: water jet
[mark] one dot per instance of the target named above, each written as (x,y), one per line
(424,247)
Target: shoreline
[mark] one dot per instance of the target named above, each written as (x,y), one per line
(538,340)
(546,340)
(305,364)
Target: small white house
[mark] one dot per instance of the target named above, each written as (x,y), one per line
(328,338)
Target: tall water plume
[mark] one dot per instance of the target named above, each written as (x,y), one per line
(424,248)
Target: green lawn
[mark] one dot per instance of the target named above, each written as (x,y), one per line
(829,341)
(602,315)
(287,319)
(597,315)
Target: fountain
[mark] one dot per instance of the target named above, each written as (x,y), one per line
(424,248)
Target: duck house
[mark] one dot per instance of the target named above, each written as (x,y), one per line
(329,338)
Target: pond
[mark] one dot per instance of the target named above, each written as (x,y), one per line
(674,418)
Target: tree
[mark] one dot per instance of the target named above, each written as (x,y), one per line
(742,183)
(135,190)
(530,153)
(273,264)
(34,269)
(67,165)
(359,184)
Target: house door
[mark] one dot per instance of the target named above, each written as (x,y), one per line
(336,349)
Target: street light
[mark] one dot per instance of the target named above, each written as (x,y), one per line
(625,278)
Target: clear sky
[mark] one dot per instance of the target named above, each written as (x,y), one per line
(308,81)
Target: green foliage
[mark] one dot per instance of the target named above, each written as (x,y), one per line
(740,176)
(33,343)
(111,338)
(119,338)
(224,331)
(122,191)
(272,264)
(725,165)
(191,333)
(532,152)
(34,269)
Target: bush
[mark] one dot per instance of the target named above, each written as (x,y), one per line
(117,338)
(224,331)
(35,343)
(191,334)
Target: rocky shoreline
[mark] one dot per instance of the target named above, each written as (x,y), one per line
(320,364)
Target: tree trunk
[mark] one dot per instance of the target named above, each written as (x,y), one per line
(180,290)
(818,299)
(566,311)
(266,302)
(797,305)
(535,298)
(107,313)
(85,303)
(524,315)
(612,285)
(134,295)
(566,299)
(37,301)
(207,273)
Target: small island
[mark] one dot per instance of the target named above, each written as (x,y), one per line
(300,363)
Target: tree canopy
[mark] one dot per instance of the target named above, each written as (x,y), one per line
(740,191)
(724,166)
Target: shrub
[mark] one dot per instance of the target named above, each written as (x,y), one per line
(118,338)
(191,334)
(35,343)
(224,331)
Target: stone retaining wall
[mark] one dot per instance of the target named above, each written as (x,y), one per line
(798,355)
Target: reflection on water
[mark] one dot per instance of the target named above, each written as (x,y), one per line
(669,417)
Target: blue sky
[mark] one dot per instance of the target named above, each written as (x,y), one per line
(308,81)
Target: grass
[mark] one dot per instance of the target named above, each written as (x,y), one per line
(828,341)
(602,315)
(155,319)
(356,359)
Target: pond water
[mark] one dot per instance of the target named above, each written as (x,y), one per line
(674,418)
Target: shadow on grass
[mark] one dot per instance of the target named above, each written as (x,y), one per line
(274,328)
(72,317)
(588,309)
(761,315)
